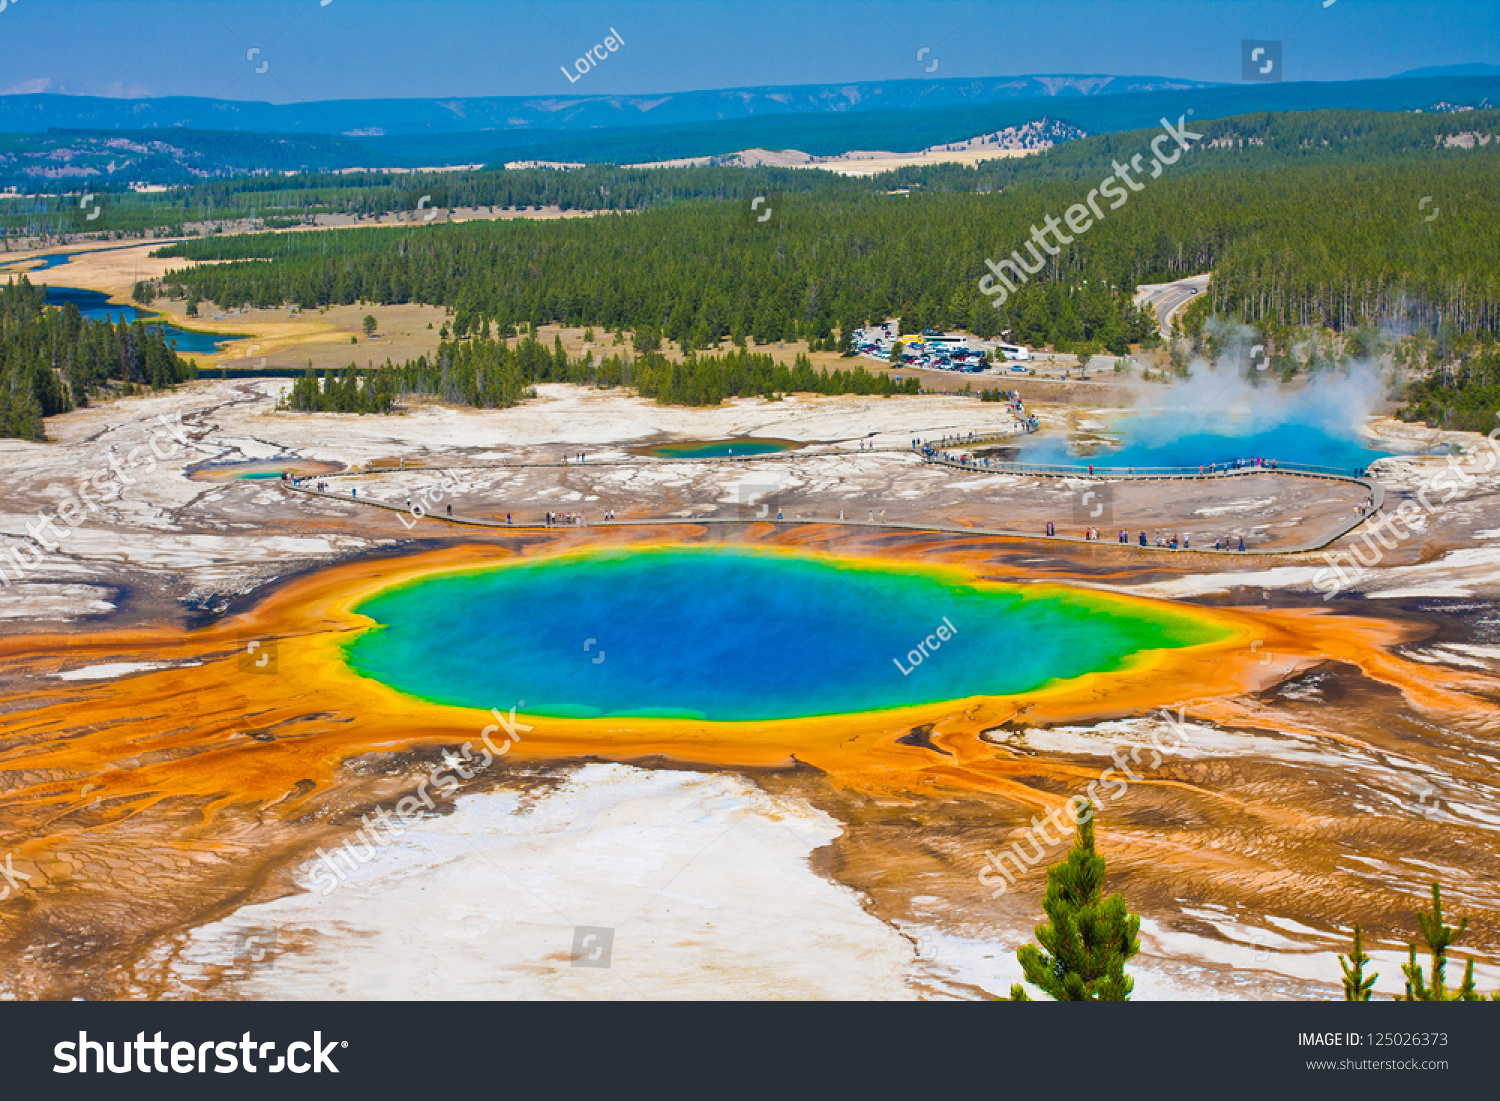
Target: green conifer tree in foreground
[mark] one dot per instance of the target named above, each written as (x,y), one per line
(1356,986)
(1439,938)
(1088,938)
(1421,986)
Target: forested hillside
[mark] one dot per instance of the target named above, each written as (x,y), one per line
(52,359)
(281,201)
(1338,237)
(696,273)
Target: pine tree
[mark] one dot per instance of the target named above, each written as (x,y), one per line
(1439,938)
(1356,986)
(1089,937)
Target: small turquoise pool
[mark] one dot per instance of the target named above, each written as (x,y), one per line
(719,449)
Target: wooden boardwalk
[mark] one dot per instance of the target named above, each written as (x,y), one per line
(1377,493)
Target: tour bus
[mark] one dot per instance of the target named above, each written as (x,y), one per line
(1013,351)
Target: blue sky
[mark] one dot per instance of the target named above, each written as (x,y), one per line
(358,49)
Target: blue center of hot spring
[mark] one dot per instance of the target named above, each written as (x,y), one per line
(741,635)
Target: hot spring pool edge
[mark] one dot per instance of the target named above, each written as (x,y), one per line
(1126,666)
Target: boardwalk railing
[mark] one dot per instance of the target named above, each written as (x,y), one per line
(950,442)
(1077,470)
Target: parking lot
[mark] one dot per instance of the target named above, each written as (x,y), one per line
(963,354)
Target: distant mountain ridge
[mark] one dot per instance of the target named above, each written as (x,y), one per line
(1449,70)
(37,113)
(68,159)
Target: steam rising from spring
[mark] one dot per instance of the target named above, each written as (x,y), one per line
(1238,409)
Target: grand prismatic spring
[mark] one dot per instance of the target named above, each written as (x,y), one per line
(735,636)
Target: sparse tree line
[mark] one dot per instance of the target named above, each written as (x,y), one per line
(52,360)
(1088,939)
(1464,395)
(486,373)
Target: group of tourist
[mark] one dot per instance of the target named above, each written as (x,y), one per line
(569,519)
(320,486)
(1237,464)
(933,453)
(1013,402)
(1166,542)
